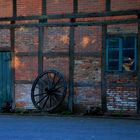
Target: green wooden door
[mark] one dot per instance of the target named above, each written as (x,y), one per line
(5,78)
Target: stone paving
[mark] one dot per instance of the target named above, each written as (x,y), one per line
(17,127)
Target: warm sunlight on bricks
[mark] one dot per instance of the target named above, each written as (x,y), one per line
(17,62)
(85,41)
(64,39)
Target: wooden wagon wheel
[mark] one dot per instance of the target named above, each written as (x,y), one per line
(48,90)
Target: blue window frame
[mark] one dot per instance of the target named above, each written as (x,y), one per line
(121,54)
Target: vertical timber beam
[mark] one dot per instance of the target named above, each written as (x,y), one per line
(43,7)
(41,40)
(108,5)
(103,67)
(40,50)
(138,69)
(12,41)
(71,61)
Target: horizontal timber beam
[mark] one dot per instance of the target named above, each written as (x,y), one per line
(26,54)
(72,15)
(66,24)
(24,81)
(121,85)
(55,54)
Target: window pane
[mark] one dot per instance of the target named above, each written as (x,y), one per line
(129,42)
(129,57)
(128,54)
(113,54)
(113,65)
(128,60)
(113,43)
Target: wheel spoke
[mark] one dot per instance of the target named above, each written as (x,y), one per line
(41,99)
(50,101)
(42,82)
(49,81)
(58,93)
(54,98)
(58,88)
(57,82)
(40,94)
(53,79)
(45,102)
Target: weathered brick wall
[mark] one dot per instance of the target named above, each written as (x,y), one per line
(26,39)
(33,7)
(125,4)
(59,6)
(26,67)
(87,70)
(28,7)
(122,98)
(91,5)
(87,79)
(56,39)
(123,29)
(23,96)
(5,38)
(6,8)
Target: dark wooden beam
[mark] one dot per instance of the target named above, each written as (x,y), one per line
(138,69)
(71,60)
(87,84)
(24,81)
(108,5)
(71,71)
(43,7)
(5,49)
(73,15)
(14,9)
(75,6)
(87,54)
(103,69)
(12,49)
(121,85)
(66,24)
(56,54)
(40,50)
(26,54)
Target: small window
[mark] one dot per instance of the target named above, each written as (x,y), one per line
(121,54)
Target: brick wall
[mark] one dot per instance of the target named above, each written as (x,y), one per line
(5,38)
(87,72)
(122,99)
(59,6)
(125,4)
(28,7)
(6,9)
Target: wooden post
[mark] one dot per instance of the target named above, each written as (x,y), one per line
(40,50)
(103,67)
(41,40)
(14,8)
(71,61)
(12,41)
(108,5)
(44,7)
(138,69)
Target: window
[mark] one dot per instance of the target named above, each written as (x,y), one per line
(121,54)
